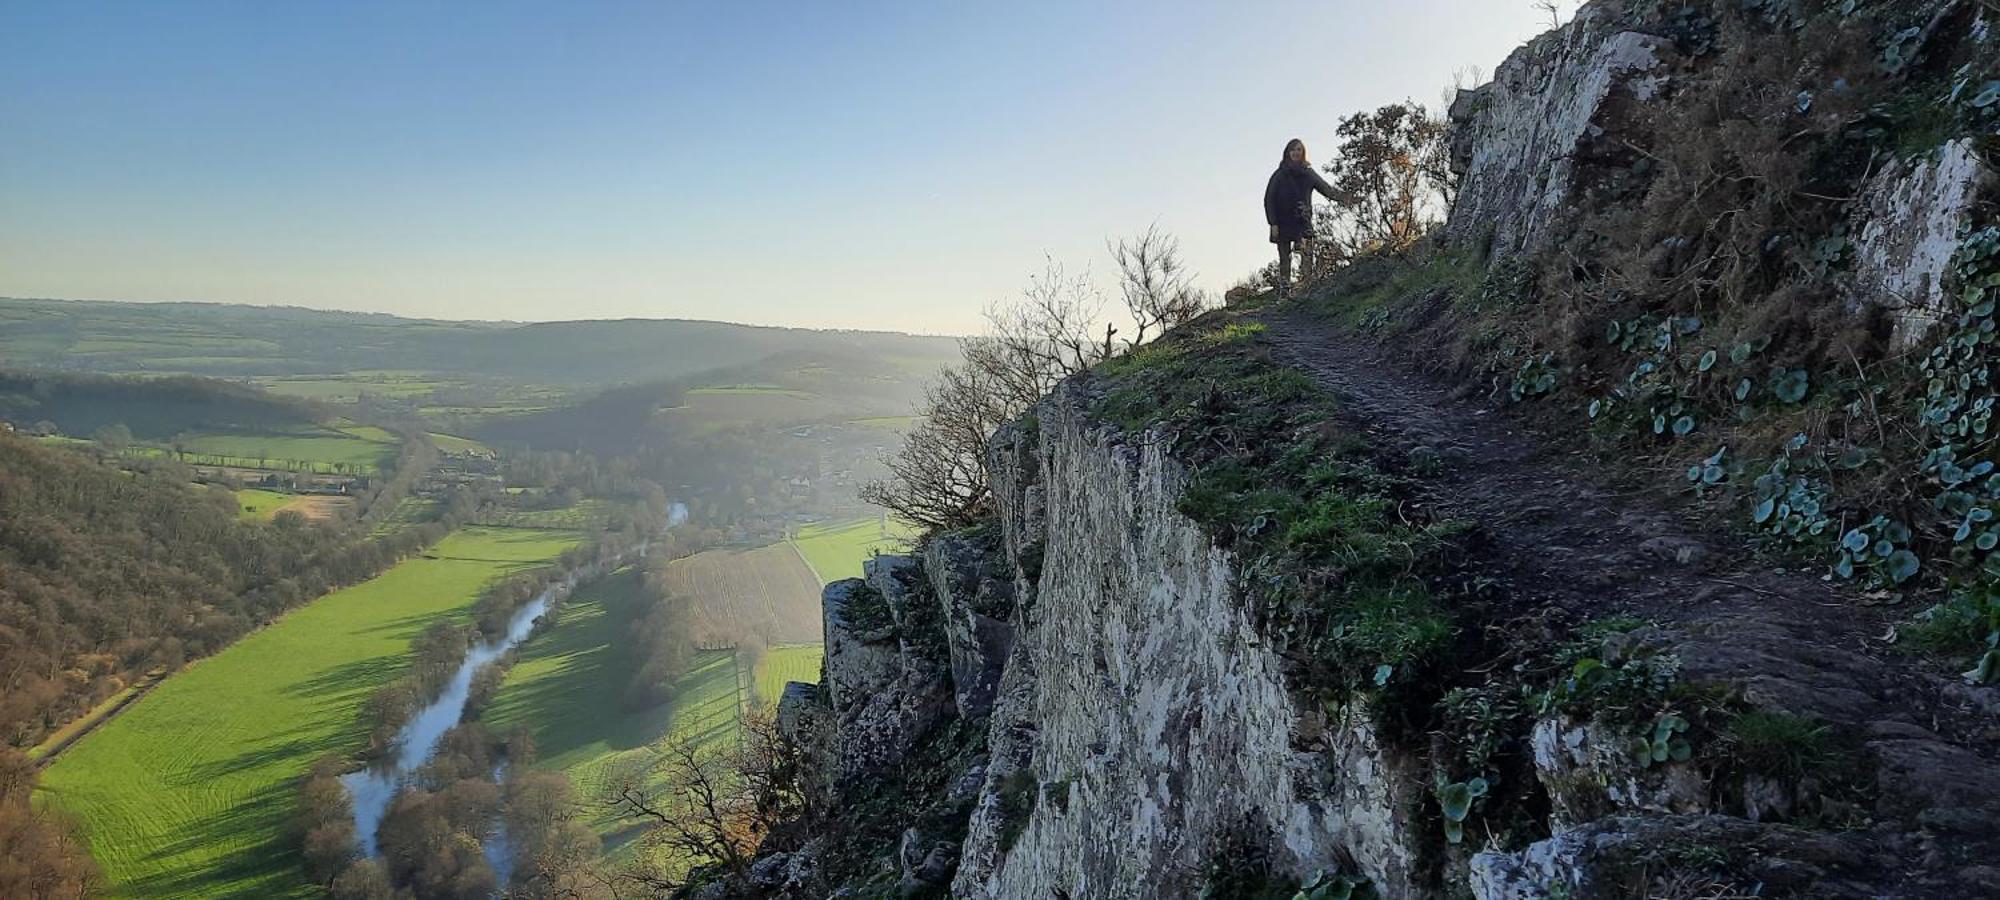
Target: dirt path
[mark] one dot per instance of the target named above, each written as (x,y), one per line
(1557,536)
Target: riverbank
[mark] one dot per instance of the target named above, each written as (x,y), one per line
(189,791)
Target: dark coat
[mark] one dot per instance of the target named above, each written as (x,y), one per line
(1286,200)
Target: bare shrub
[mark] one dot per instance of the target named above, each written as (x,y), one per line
(1158,289)
(1056,329)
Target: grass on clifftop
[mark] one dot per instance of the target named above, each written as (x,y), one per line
(1335,576)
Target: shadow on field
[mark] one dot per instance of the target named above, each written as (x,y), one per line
(259,834)
(295,749)
(358,675)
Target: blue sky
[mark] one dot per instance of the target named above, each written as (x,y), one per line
(869,165)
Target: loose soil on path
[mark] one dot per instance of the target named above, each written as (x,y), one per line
(1559,541)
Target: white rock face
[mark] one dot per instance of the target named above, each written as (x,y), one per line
(1151,722)
(1517,137)
(1908,223)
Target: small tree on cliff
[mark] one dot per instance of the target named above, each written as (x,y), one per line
(1392,180)
(939,477)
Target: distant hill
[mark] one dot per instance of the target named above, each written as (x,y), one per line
(152,408)
(788,388)
(223,340)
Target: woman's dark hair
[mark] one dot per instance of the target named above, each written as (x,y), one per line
(1294,142)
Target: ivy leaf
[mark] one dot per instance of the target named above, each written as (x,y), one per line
(1903,565)
(1987,670)
(1987,96)
(1790,385)
(1707,361)
(1382,673)
(1764,509)
(1854,541)
(1456,801)
(1683,426)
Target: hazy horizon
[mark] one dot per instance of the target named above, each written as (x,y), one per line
(883,167)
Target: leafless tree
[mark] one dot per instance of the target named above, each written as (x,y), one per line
(938,478)
(1158,289)
(1056,329)
(1554,10)
(1051,332)
(696,813)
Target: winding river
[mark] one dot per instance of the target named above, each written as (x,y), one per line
(372,789)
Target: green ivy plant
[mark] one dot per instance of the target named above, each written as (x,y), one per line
(1711,471)
(1790,504)
(1456,799)
(1879,548)
(1535,377)
(1333,886)
(1664,742)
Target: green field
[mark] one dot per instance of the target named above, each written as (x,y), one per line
(258,503)
(350,389)
(835,550)
(567,686)
(741,389)
(588,513)
(189,792)
(407,512)
(359,448)
(797,662)
(451,443)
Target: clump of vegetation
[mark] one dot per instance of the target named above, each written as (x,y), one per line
(1242,869)
(1780,745)
(1334,574)
(1964,628)
(1019,794)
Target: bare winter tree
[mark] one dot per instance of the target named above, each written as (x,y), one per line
(1050,333)
(1553,8)
(711,806)
(1158,289)
(938,478)
(696,813)
(1057,329)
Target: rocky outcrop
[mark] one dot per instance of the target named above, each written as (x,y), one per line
(1518,140)
(886,684)
(1142,719)
(1909,219)
(975,590)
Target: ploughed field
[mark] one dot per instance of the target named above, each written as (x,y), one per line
(190,791)
(769,592)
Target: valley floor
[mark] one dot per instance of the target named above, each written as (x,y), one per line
(191,791)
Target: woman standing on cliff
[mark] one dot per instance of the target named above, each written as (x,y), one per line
(1288,208)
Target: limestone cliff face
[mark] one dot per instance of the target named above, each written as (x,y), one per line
(1139,724)
(1143,708)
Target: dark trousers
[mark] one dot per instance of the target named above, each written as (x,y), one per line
(1285,251)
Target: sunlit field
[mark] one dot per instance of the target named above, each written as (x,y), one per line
(189,792)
